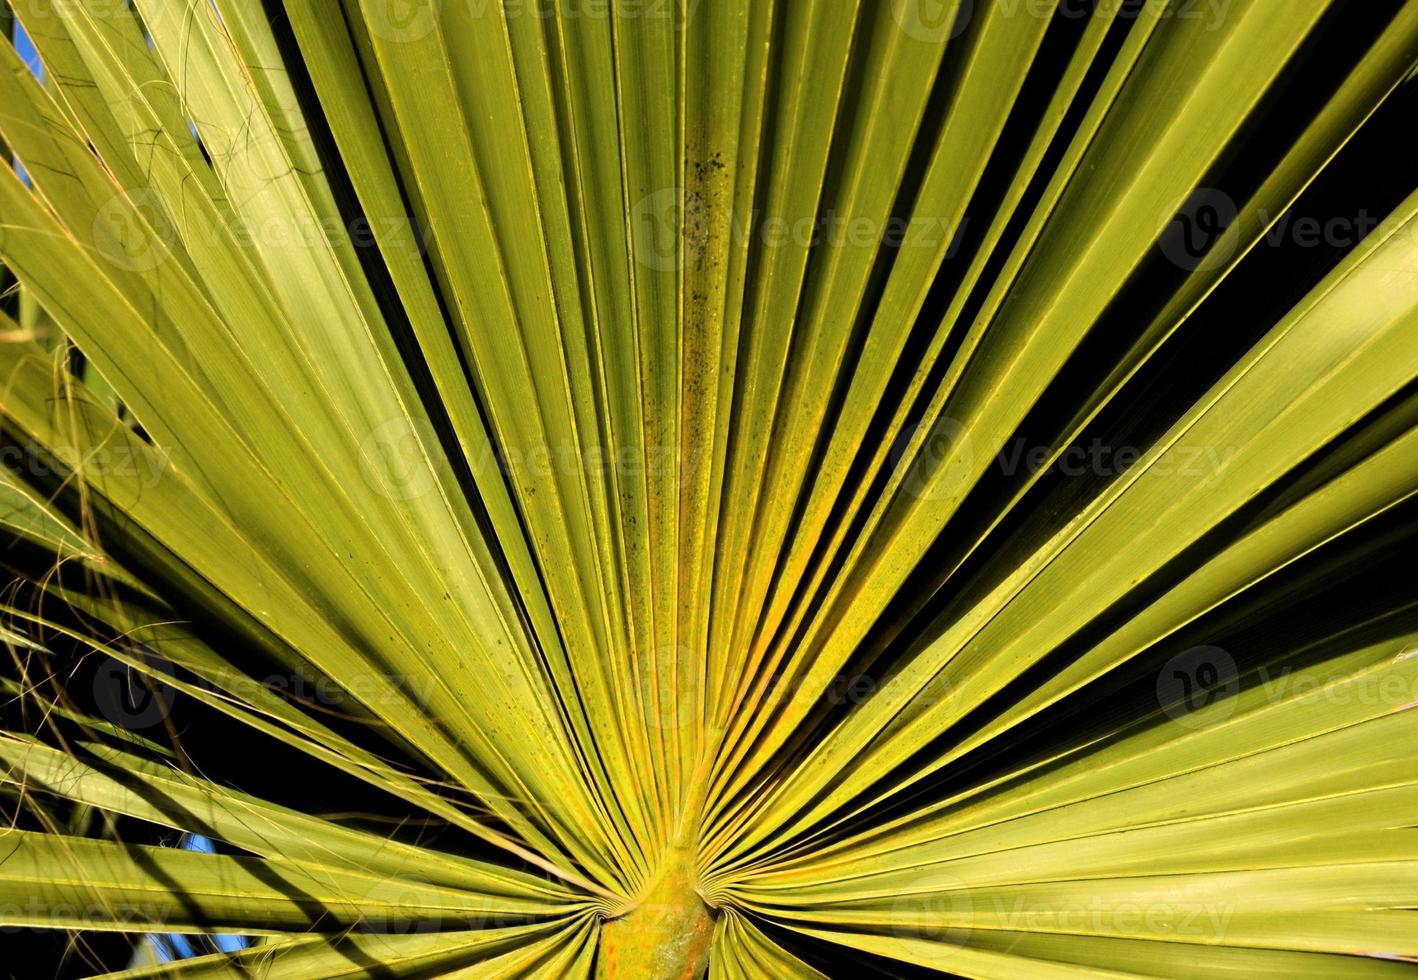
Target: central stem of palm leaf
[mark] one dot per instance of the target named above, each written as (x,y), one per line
(667,935)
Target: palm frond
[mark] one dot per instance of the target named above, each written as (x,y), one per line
(784,488)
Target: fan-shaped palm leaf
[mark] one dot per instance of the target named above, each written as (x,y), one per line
(801,487)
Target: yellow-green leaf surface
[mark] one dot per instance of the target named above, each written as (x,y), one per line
(730,488)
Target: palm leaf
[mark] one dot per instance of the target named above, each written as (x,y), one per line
(616,412)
